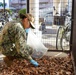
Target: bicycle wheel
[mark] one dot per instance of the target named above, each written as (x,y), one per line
(58,38)
(65,43)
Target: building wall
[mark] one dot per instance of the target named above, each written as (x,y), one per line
(18,4)
(59,5)
(42,3)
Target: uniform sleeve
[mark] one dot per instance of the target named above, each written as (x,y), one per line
(20,43)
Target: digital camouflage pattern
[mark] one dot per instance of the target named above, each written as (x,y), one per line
(13,40)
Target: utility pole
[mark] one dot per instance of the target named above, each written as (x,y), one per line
(27,6)
(4,8)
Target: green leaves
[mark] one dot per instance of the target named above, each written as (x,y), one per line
(1,4)
(23,11)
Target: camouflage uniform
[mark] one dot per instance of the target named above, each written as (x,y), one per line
(12,41)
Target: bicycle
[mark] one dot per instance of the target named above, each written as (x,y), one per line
(63,35)
(4,18)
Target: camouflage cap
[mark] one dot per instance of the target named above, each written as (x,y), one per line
(30,18)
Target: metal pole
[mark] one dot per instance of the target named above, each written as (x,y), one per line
(73,34)
(27,6)
(4,7)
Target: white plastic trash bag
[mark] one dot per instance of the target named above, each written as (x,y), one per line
(39,48)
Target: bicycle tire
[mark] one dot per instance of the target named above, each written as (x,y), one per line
(58,38)
(65,45)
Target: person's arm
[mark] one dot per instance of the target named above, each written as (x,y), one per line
(22,47)
(20,43)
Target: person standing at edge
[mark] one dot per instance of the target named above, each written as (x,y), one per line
(12,41)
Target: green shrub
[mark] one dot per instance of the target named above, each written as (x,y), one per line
(23,11)
(10,11)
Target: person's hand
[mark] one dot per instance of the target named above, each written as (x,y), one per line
(34,63)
